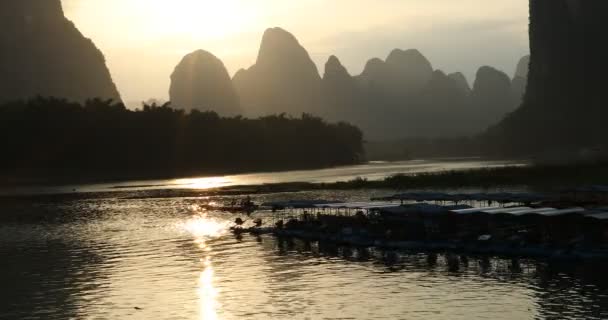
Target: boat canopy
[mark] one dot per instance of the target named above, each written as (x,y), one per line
(474,210)
(596,188)
(520,211)
(599,216)
(427,208)
(562,212)
(324,204)
(504,197)
(358,205)
(505,210)
(297,203)
(422,208)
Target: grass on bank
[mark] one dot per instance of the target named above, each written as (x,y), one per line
(541,176)
(536,175)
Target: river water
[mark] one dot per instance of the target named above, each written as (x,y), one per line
(371,171)
(116,256)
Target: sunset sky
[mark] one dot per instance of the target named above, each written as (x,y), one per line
(143,40)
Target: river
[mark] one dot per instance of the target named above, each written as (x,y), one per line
(121,257)
(371,171)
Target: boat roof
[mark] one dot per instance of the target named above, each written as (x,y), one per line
(297,203)
(599,216)
(358,205)
(595,188)
(427,208)
(561,212)
(474,210)
(324,204)
(505,210)
(438,196)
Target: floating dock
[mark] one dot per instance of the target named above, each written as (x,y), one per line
(499,223)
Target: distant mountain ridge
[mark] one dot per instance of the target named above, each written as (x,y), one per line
(402,96)
(392,98)
(402,73)
(561,83)
(42,53)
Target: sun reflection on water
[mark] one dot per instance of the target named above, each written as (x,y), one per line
(203,228)
(207,292)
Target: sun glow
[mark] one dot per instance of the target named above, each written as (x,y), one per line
(199,19)
(203,227)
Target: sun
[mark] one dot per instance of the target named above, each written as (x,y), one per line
(198,19)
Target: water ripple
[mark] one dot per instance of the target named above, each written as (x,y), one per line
(166,259)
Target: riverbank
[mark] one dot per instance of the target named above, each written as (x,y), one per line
(249,180)
(538,176)
(544,177)
(103,140)
(541,178)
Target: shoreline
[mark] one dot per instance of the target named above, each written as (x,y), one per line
(540,177)
(550,178)
(147,180)
(10,182)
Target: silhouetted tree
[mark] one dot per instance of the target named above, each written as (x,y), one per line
(49,138)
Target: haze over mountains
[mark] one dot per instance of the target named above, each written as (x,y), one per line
(398,97)
(401,96)
(42,53)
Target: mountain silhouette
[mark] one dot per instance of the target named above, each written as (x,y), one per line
(520,79)
(461,80)
(374,77)
(399,97)
(335,71)
(521,70)
(389,93)
(340,93)
(284,79)
(444,107)
(200,81)
(403,73)
(491,97)
(43,54)
(564,107)
(411,70)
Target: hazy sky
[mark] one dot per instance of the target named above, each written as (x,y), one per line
(143,40)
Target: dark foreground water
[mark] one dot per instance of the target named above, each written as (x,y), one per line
(124,258)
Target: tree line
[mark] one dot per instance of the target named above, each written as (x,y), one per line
(47,139)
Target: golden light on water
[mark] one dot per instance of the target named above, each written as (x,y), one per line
(207,292)
(203,228)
